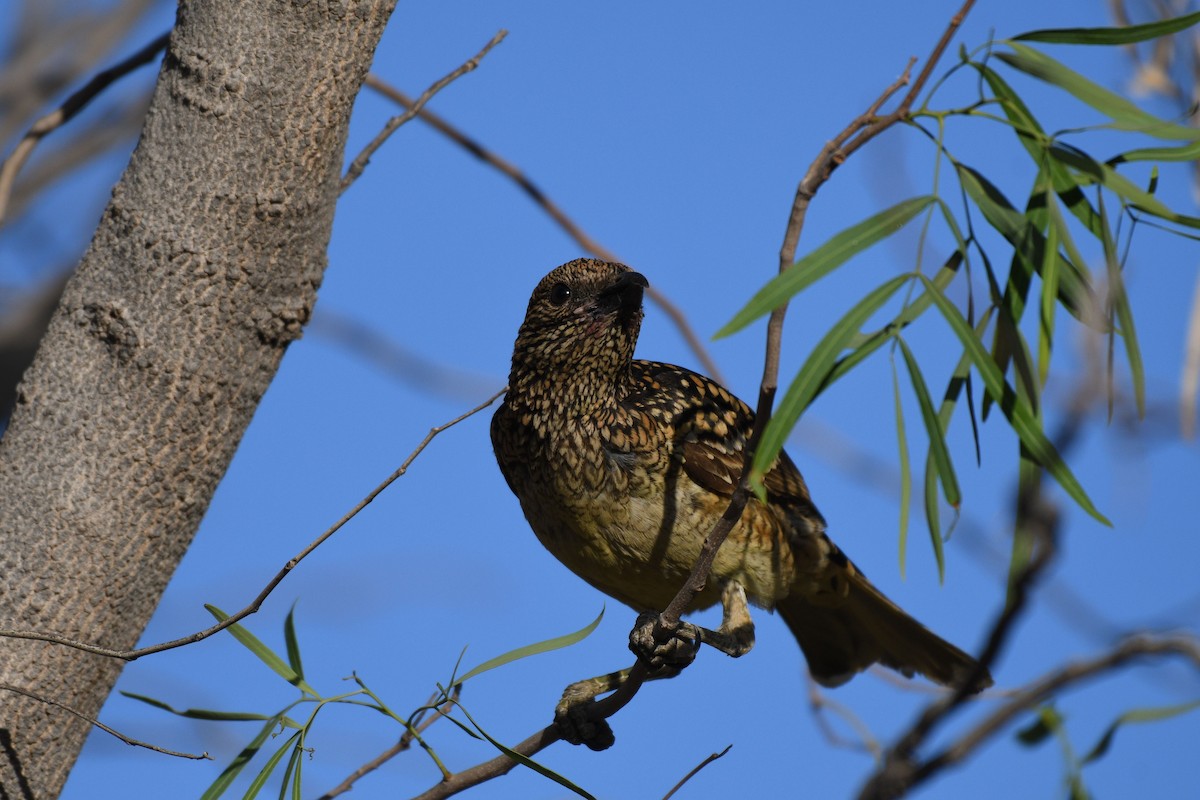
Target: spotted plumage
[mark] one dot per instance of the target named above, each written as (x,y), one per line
(623,466)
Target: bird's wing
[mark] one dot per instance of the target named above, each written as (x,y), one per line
(711,427)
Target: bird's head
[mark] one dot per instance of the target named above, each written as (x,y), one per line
(582,322)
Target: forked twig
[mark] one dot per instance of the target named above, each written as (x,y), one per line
(404,743)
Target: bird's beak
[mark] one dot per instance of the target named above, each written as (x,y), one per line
(625,293)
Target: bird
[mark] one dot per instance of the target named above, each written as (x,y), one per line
(622,466)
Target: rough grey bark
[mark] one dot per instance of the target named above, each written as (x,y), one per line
(204,267)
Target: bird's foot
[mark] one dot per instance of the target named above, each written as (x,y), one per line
(573,714)
(664,650)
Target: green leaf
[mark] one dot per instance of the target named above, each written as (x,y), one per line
(1036,142)
(934,428)
(1029,131)
(264,653)
(1075,290)
(938,450)
(1048,723)
(1049,292)
(264,774)
(1018,413)
(1184,152)
(235,767)
(1138,715)
(293,647)
(1118,299)
(199,713)
(826,258)
(526,760)
(1093,171)
(292,772)
(814,373)
(557,643)
(1129,34)
(1030,253)
(865,344)
(1124,114)
(905,467)
(1029,477)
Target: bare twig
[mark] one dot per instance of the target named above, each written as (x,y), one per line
(64,113)
(555,212)
(51,44)
(129,740)
(711,758)
(500,765)
(133,655)
(900,777)
(360,161)
(818,701)
(405,742)
(119,128)
(896,773)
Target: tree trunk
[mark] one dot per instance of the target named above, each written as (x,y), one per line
(204,267)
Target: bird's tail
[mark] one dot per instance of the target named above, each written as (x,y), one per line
(858,626)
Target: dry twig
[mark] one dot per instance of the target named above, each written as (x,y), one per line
(64,113)
(898,777)
(360,161)
(133,655)
(129,740)
(711,758)
(555,212)
(405,742)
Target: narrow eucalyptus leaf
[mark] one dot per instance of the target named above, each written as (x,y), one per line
(1128,34)
(557,643)
(826,258)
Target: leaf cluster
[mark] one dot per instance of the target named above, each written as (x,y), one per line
(1072,193)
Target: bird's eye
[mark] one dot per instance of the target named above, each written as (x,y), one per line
(560,294)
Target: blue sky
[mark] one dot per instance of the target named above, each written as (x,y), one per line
(674,135)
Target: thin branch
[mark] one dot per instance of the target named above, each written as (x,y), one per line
(897,771)
(360,161)
(133,655)
(64,113)
(711,758)
(405,742)
(818,701)
(1135,647)
(901,777)
(555,212)
(129,740)
(500,765)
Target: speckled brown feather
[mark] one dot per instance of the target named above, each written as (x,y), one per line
(623,466)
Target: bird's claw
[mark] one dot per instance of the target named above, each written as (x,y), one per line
(663,656)
(573,719)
